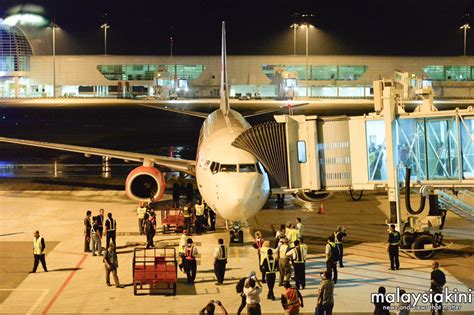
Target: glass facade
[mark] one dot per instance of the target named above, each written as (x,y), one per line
(467,146)
(449,73)
(148,72)
(376,151)
(15,51)
(319,72)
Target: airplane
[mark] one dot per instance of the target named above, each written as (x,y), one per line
(230,180)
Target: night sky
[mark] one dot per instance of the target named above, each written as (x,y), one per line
(140,27)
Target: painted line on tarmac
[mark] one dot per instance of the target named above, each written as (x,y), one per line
(73,253)
(64,285)
(38,301)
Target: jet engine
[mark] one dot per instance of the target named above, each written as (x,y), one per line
(312,196)
(145,182)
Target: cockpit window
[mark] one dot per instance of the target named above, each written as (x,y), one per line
(214,167)
(228,168)
(247,168)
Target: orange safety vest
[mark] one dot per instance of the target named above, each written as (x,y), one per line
(189,253)
(292,299)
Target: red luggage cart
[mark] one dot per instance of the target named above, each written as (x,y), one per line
(155,270)
(172,219)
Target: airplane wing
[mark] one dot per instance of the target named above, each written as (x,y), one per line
(182,165)
(273,110)
(179,111)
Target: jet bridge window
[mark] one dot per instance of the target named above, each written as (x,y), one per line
(301,151)
(228,168)
(247,168)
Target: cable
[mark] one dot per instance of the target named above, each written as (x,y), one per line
(407,195)
(351,192)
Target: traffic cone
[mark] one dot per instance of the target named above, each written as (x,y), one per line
(321,208)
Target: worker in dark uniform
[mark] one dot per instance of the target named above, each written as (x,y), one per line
(87,231)
(38,251)
(332,257)
(187,213)
(338,238)
(191,265)
(393,244)
(438,280)
(189,193)
(150,228)
(199,208)
(220,261)
(100,223)
(110,230)
(212,218)
(270,266)
(176,191)
(298,257)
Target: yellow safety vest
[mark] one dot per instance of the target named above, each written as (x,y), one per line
(222,253)
(37,246)
(186,212)
(199,209)
(141,212)
(271,266)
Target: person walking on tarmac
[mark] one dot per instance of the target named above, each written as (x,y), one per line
(150,228)
(87,231)
(291,299)
(239,288)
(110,229)
(298,257)
(187,213)
(393,244)
(338,238)
(100,223)
(257,244)
(182,249)
(96,238)
(220,260)
(190,256)
(332,257)
(283,261)
(438,280)
(141,210)
(270,266)
(199,207)
(38,251)
(325,302)
(111,265)
(212,218)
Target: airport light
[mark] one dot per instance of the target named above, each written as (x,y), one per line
(54,26)
(105,26)
(306,27)
(465,27)
(294,26)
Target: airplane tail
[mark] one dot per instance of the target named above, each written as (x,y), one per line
(225,105)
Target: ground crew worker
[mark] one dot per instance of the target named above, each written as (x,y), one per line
(325,301)
(182,249)
(393,244)
(270,266)
(291,299)
(257,244)
(292,234)
(263,254)
(110,229)
(298,256)
(190,256)
(96,238)
(220,261)
(187,217)
(111,265)
(150,228)
(141,210)
(87,232)
(279,235)
(338,238)
(100,222)
(212,218)
(284,262)
(332,257)
(38,252)
(299,226)
(438,280)
(199,207)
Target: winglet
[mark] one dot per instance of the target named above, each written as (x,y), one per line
(225,105)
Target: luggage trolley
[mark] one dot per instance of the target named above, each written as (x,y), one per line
(155,267)
(172,219)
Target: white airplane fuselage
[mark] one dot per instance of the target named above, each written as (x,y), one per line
(229,179)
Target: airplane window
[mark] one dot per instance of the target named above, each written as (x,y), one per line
(228,168)
(247,168)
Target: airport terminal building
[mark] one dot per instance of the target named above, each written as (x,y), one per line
(24,74)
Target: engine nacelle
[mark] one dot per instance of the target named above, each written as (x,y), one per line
(145,182)
(312,196)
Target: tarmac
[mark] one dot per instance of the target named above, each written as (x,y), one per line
(75,282)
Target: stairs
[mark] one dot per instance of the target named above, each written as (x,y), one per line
(462,204)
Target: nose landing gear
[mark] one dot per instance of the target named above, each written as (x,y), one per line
(236,235)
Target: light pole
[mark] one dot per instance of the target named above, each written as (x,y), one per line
(307,26)
(294,26)
(105,26)
(54,26)
(465,27)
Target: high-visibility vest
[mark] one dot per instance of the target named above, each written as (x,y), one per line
(37,246)
(299,255)
(186,212)
(292,298)
(271,266)
(336,238)
(396,237)
(222,253)
(189,253)
(182,244)
(282,251)
(141,212)
(112,224)
(199,209)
